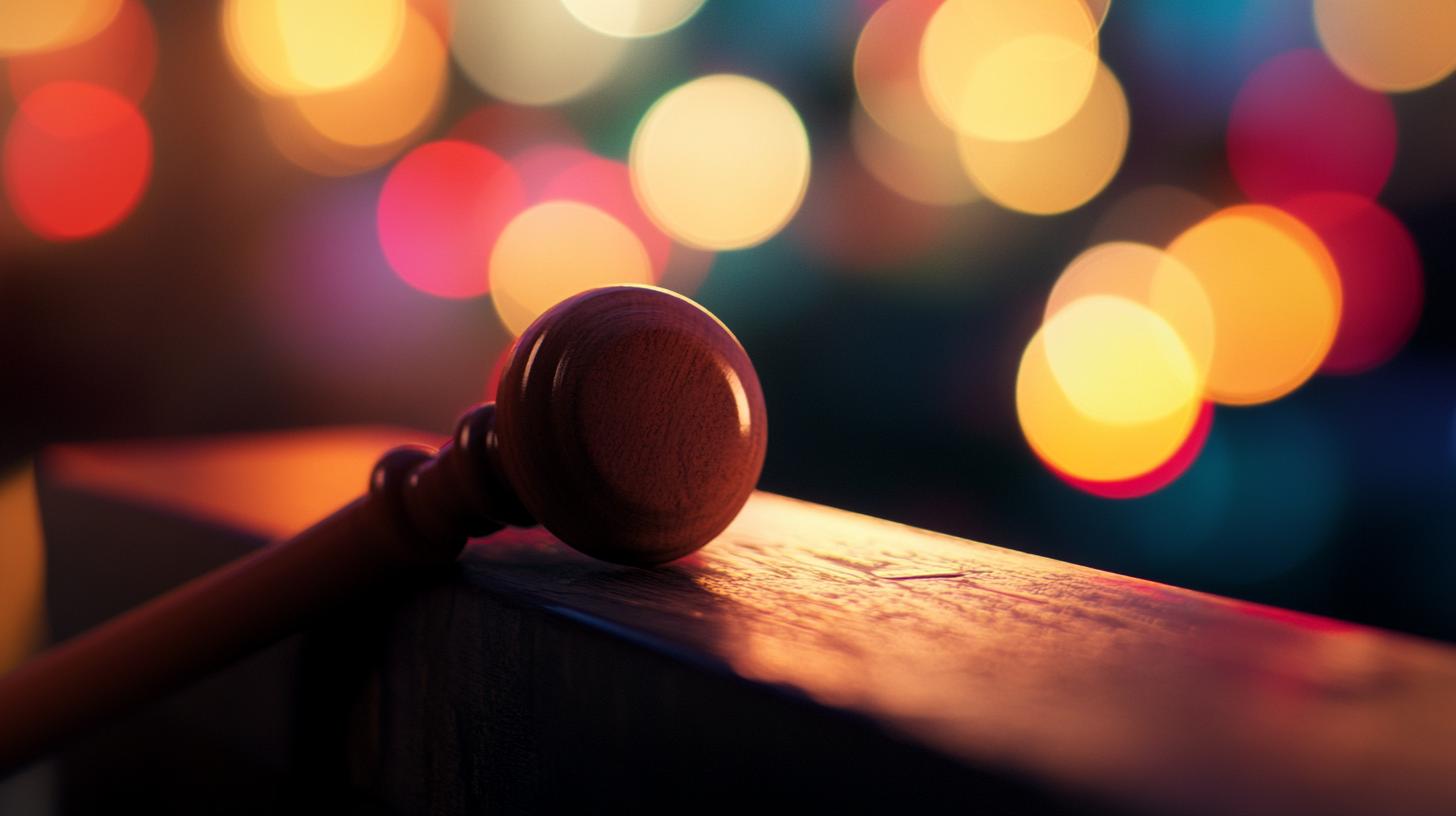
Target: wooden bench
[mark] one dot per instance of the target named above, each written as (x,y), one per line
(808,657)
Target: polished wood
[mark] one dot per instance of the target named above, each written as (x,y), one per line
(650,449)
(819,658)
(631,423)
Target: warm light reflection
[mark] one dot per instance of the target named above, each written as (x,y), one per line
(440,212)
(607,186)
(558,249)
(721,162)
(1300,126)
(1390,45)
(22,568)
(1380,277)
(887,70)
(633,18)
(1157,478)
(1061,170)
(1008,69)
(1150,277)
(1275,296)
(269,484)
(1134,371)
(927,171)
(77,158)
(306,46)
(28,26)
(390,105)
(531,53)
(1120,362)
(122,56)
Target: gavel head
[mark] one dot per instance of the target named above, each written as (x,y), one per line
(631,424)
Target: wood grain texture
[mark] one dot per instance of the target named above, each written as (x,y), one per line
(631,423)
(817,656)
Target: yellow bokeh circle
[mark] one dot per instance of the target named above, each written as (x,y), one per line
(1148,276)
(1061,170)
(1008,70)
(887,70)
(390,105)
(1276,300)
(721,162)
(558,249)
(289,47)
(1389,45)
(1126,398)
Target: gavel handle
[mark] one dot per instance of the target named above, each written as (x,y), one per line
(212,621)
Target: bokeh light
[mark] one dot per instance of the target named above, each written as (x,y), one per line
(298,141)
(390,105)
(539,166)
(535,265)
(77,158)
(531,53)
(1298,126)
(440,212)
(858,224)
(607,186)
(1148,276)
(511,129)
(1155,214)
(1099,10)
(928,170)
(721,162)
(1120,362)
(1392,45)
(121,56)
(27,27)
(1061,170)
(687,269)
(328,304)
(1008,69)
(307,46)
(1380,277)
(1275,295)
(1128,354)
(633,18)
(1157,478)
(887,70)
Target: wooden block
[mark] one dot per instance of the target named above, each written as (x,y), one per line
(807,656)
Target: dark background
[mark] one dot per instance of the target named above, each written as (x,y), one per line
(246,294)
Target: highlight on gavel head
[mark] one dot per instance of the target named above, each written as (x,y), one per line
(631,424)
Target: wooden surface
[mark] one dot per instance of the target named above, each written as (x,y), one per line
(816,655)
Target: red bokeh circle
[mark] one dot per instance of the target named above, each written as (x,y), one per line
(440,212)
(1300,126)
(77,158)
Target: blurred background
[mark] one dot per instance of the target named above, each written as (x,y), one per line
(1156,286)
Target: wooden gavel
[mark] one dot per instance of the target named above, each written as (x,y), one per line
(629,422)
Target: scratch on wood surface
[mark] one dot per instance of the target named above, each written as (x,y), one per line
(1099,681)
(1073,677)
